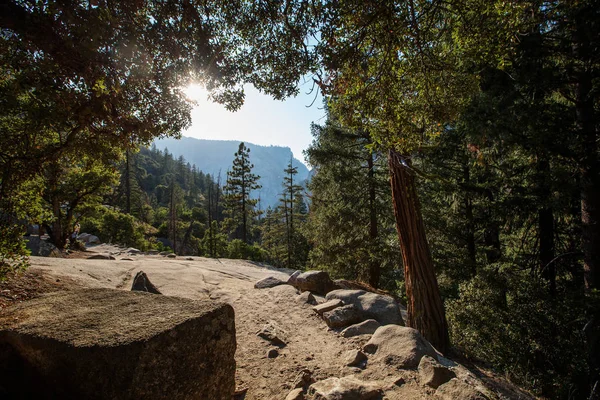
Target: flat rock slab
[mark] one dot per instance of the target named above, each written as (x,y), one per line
(101,257)
(328,306)
(341,317)
(367,327)
(382,308)
(112,344)
(399,346)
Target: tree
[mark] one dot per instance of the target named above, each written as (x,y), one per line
(239,207)
(289,203)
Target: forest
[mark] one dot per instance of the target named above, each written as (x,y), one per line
(458,167)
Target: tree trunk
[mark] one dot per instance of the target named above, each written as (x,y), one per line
(425,308)
(374,266)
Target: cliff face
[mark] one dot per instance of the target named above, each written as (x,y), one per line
(212,156)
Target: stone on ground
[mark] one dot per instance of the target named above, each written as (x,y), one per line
(367,327)
(268,282)
(327,306)
(40,247)
(87,238)
(456,389)
(273,333)
(382,308)
(113,344)
(171,255)
(342,316)
(292,279)
(313,281)
(432,373)
(346,388)
(141,283)
(399,346)
(306,298)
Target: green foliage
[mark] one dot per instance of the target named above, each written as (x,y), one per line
(112,226)
(13,253)
(237,249)
(509,320)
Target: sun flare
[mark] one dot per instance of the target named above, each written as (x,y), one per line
(196,92)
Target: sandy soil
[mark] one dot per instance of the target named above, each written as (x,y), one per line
(311,346)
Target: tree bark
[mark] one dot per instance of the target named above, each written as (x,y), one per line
(425,308)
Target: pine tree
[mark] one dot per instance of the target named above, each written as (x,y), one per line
(239,207)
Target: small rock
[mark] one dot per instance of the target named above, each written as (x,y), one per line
(101,257)
(296,394)
(268,282)
(273,334)
(189,258)
(346,388)
(141,283)
(306,298)
(399,346)
(126,259)
(354,358)
(171,255)
(272,353)
(455,389)
(132,250)
(341,316)
(432,373)
(240,393)
(328,306)
(367,327)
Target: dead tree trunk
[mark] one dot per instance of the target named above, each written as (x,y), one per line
(425,308)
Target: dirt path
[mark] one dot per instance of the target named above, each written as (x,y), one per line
(310,345)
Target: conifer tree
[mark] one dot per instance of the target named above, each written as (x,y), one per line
(239,207)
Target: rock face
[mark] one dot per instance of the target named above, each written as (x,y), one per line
(432,373)
(342,316)
(313,281)
(113,344)
(141,283)
(346,388)
(268,282)
(367,327)
(399,346)
(379,307)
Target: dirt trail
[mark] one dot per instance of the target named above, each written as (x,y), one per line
(310,344)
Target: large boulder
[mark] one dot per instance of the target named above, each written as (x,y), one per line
(379,307)
(367,327)
(313,281)
(432,373)
(87,238)
(341,317)
(113,344)
(41,247)
(346,388)
(399,346)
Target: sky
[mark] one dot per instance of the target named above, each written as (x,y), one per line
(261,120)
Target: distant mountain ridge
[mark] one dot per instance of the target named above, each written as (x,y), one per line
(212,156)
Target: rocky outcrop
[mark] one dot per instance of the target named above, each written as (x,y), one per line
(86,238)
(141,283)
(41,247)
(313,281)
(382,308)
(367,327)
(268,282)
(346,388)
(399,346)
(113,344)
(432,373)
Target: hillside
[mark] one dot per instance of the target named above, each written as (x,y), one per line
(214,156)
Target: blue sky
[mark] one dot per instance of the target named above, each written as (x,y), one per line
(261,120)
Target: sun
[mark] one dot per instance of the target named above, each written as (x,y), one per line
(196,92)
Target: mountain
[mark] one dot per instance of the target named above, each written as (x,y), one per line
(212,156)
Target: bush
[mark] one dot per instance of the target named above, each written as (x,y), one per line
(511,321)
(115,227)
(240,250)
(13,252)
